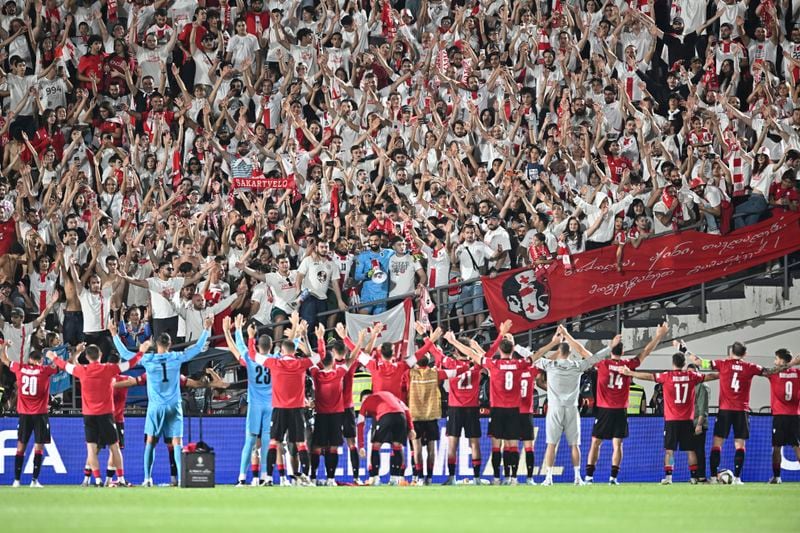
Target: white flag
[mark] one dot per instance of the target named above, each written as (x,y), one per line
(398,324)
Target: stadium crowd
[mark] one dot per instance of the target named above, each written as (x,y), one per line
(171,161)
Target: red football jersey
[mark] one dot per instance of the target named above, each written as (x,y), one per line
(613,387)
(33,384)
(96,387)
(387,375)
(328,387)
(785,392)
(735,377)
(288,381)
(463,390)
(378,404)
(347,385)
(527,382)
(679,393)
(504,386)
(120,399)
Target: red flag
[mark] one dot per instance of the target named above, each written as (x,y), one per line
(660,265)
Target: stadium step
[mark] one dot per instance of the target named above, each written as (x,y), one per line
(682,311)
(727,294)
(594,335)
(765,282)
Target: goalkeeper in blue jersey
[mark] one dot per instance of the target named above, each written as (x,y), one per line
(164,408)
(259,398)
(372,269)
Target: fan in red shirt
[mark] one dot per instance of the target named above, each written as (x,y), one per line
(783,195)
(388,374)
(393,424)
(617,164)
(611,415)
(735,377)
(329,405)
(98,403)
(784,387)
(33,401)
(288,400)
(678,386)
(90,65)
(463,410)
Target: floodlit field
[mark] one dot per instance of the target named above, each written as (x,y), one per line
(633,507)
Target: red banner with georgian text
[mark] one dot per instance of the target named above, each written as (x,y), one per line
(261,183)
(659,266)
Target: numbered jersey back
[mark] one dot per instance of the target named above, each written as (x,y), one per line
(259,383)
(33,384)
(163,379)
(735,377)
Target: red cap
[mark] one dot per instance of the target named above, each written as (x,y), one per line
(696,182)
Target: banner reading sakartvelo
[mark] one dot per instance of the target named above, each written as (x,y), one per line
(260,183)
(659,266)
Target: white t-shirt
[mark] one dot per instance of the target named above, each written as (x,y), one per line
(96,309)
(241,48)
(480,255)
(18,341)
(438,266)
(402,274)
(498,238)
(260,295)
(317,275)
(284,289)
(161,307)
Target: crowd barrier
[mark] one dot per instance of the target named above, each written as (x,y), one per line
(643,452)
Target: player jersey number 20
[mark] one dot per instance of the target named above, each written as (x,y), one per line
(30,385)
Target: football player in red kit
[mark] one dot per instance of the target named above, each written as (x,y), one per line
(33,403)
(784,386)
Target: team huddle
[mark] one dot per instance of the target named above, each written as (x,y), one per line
(405,402)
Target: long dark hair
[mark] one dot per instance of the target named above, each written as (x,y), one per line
(576,235)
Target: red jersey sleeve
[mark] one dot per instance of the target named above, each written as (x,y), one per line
(660,377)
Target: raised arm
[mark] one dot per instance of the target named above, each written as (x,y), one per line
(661,331)
(195,349)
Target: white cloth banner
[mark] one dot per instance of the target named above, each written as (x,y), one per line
(398,324)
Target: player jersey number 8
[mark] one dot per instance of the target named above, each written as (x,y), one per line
(509,380)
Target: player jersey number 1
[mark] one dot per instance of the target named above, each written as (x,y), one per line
(164,373)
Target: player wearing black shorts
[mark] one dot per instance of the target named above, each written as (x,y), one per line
(33,402)
(784,385)
(393,424)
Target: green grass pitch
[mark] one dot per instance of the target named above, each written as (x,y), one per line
(634,507)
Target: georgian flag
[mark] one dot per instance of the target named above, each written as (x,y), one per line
(398,324)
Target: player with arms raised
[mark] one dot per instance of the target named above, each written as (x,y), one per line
(611,419)
(735,377)
(678,385)
(164,407)
(33,402)
(784,386)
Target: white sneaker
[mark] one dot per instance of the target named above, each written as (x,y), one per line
(255,482)
(240,483)
(737,481)
(266,482)
(85,483)
(15,485)
(331,483)
(374,481)
(775,481)
(613,481)
(36,485)
(547,482)
(357,482)
(578,482)
(713,480)
(513,481)
(482,481)
(530,482)
(286,482)
(173,481)
(666,481)
(304,481)
(418,483)
(147,483)
(467,481)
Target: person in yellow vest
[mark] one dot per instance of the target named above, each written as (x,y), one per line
(362,383)
(425,404)
(637,399)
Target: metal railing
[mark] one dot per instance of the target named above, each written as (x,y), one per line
(596,325)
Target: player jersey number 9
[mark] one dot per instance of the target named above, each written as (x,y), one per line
(509,380)
(787,394)
(30,384)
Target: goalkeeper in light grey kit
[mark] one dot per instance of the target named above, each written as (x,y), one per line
(563,387)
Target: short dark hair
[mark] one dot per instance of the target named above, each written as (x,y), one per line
(506,346)
(36,355)
(678,359)
(287,345)
(93,352)
(387,350)
(563,348)
(616,349)
(784,355)
(164,340)
(738,349)
(265,343)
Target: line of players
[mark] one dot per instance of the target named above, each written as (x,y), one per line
(276,402)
